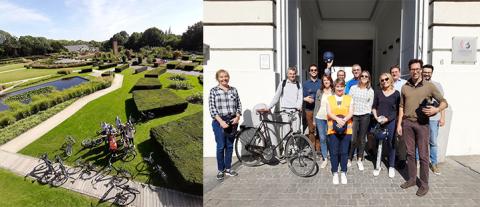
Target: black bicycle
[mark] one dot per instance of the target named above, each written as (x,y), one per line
(156,168)
(90,143)
(43,172)
(124,196)
(61,173)
(253,146)
(86,170)
(67,146)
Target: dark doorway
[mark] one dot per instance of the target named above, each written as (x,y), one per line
(348,52)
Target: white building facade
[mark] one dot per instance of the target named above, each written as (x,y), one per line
(257,40)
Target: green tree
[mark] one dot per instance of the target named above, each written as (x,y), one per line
(192,39)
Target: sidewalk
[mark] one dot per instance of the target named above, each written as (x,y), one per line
(33,134)
(148,197)
(458,185)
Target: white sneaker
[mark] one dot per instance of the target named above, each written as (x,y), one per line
(391,172)
(335,178)
(349,163)
(376,172)
(360,165)
(343,178)
(324,164)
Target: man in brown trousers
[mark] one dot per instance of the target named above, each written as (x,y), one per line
(413,119)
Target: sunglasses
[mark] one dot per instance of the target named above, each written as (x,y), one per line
(313,70)
(384,80)
(364,76)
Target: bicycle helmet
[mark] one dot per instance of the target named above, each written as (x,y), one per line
(328,56)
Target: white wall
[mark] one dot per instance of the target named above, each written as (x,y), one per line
(459,80)
(238,34)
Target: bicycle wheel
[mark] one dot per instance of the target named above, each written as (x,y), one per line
(129,155)
(248,147)
(300,155)
(124,198)
(59,179)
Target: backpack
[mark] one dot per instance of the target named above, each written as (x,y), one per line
(285,83)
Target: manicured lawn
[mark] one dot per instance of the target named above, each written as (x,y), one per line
(86,122)
(11,66)
(16,191)
(29,73)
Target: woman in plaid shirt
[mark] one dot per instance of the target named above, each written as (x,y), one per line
(225,109)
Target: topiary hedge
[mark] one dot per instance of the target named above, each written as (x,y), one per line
(158,101)
(200,79)
(121,68)
(86,70)
(172,64)
(108,73)
(56,66)
(105,66)
(65,71)
(147,83)
(182,141)
(155,72)
(141,69)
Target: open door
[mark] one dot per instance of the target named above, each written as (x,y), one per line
(412,33)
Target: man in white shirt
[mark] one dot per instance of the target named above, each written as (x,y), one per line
(397,81)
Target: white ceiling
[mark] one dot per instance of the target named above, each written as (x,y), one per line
(346,10)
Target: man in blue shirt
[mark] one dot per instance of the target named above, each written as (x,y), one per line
(310,88)
(356,70)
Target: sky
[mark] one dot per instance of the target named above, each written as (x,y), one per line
(95,19)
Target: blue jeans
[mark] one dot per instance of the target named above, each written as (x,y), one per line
(433,141)
(434,125)
(390,143)
(224,147)
(322,134)
(339,150)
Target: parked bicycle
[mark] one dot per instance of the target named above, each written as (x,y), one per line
(253,146)
(125,194)
(61,173)
(156,168)
(91,143)
(44,171)
(86,170)
(67,147)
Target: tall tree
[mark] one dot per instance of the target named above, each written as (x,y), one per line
(192,39)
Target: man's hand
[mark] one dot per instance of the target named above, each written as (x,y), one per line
(430,110)
(399,130)
(309,99)
(329,65)
(441,122)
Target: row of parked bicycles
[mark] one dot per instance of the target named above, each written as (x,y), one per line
(118,145)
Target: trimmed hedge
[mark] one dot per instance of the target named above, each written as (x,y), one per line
(65,71)
(121,68)
(199,68)
(186,57)
(105,66)
(196,98)
(147,83)
(189,67)
(158,101)
(200,79)
(86,70)
(177,77)
(42,102)
(155,72)
(182,141)
(24,97)
(56,66)
(141,69)
(172,64)
(180,85)
(108,73)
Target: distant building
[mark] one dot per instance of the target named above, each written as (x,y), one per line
(81,48)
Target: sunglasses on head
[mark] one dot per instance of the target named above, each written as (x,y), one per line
(384,80)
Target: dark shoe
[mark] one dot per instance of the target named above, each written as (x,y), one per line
(231,173)
(407,185)
(422,191)
(220,175)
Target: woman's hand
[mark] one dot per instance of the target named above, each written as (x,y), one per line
(223,124)
(340,122)
(236,120)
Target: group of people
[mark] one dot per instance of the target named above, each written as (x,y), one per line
(340,113)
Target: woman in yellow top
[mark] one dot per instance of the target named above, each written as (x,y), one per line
(340,112)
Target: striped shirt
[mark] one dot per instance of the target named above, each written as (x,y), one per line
(224,103)
(362,100)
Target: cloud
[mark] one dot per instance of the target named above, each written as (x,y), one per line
(13,13)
